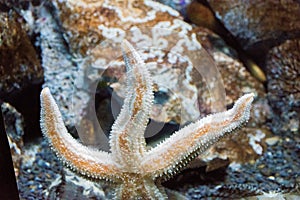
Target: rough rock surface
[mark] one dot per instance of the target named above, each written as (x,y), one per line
(283,65)
(180,5)
(180,106)
(168,45)
(19,63)
(14,126)
(187,83)
(261,28)
(259,22)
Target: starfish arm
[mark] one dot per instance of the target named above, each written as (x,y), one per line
(86,161)
(175,152)
(127,140)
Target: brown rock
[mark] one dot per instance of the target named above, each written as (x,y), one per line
(200,13)
(19,63)
(168,45)
(269,31)
(180,67)
(263,23)
(72,186)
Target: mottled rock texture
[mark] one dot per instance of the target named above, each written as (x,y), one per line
(169,47)
(184,73)
(269,32)
(14,126)
(19,63)
(180,5)
(259,23)
(283,65)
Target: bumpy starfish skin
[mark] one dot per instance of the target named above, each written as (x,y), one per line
(136,170)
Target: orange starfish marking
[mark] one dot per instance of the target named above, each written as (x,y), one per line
(137,170)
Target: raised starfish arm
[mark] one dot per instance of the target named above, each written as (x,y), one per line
(184,145)
(86,161)
(127,140)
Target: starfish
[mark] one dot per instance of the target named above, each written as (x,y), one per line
(136,170)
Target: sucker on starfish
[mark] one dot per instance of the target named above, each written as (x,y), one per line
(136,170)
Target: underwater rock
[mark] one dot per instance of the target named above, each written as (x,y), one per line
(87,56)
(14,126)
(168,46)
(283,66)
(259,23)
(262,29)
(71,186)
(201,14)
(179,5)
(86,26)
(19,63)
(60,72)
